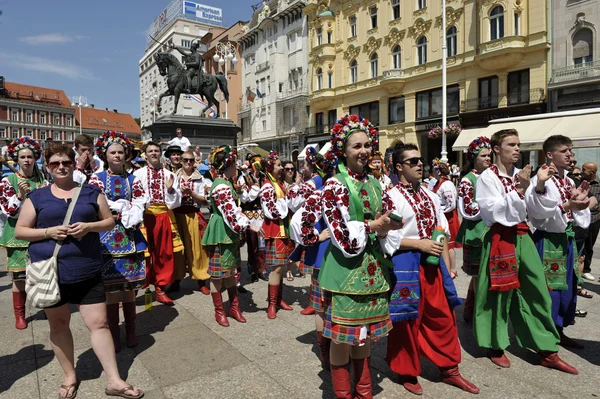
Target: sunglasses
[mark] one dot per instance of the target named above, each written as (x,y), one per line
(56,164)
(414,161)
(290,169)
(188,160)
(576,174)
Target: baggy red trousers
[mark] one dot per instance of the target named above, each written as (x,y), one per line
(433,334)
(160,244)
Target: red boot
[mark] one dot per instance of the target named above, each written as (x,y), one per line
(19,299)
(452,376)
(234,305)
(411,384)
(340,378)
(112,315)
(324,345)
(361,370)
(130,313)
(273,295)
(280,302)
(498,357)
(308,311)
(552,361)
(203,288)
(162,297)
(220,315)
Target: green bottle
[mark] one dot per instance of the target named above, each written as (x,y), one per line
(148,299)
(438,235)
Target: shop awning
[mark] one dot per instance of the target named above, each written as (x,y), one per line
(325,148)
(465,137)
(582,129)
(532,132)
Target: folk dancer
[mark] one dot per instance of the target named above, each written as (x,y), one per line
(423,295)
(173,155)
(554,206)
(222,235)
(472,229)
(123,247)
(14,190)
(511,282)
(297,189)
(377,169)
(354,272)
(161,196)
(190,222)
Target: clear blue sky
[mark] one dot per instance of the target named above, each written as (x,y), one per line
(86,47)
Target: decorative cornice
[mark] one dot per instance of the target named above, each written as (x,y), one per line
(372,45)
(419,28)
(395,36)
(352,52)
(452,17)
(419,12)
(580,22)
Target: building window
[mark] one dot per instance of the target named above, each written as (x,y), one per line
(319,79)
(29,117)
(353,71)
(583,46)
(43,119)
(429,103)
(353,26)
(186,29)
(332,117)
(517,24)
(69,121)
(367,110)
(15,133)
(329,37)
(56,136)
(422,50)
(57,120)
(43,134)
(186,43)
(395,9)
(497,23)
(2,132)
(421,4)
(396,107)
(29,133)
(397,57)
(451,42)
(373,12)
(319,36)
(264,126)
(518,87)
(330,80)
(374,63)
(69,136)
(320,122)
(187,111)
(15,115)
(488,92)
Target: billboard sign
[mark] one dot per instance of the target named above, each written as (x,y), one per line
(202,12)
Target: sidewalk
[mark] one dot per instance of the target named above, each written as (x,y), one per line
(184,353)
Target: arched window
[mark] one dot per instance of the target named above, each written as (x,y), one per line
(374,63)
(319,79)
(451,41)
(330,80)
(422,50)
(497,23)
(583,46)
(353,71)
(396,57)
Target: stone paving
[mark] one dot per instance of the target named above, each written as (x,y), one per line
(184,353)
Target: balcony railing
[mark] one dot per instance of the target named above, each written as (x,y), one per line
(534,96)
(314,130)
(262,66)
(299,91)
(576,72)
(393,73)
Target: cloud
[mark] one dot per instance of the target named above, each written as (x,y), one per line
(51,38)
(45,65)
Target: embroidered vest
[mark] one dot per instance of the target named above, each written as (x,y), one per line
(217,231)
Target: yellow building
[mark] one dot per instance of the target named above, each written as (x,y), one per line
(383,60)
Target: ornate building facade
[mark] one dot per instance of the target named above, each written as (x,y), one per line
(383,60)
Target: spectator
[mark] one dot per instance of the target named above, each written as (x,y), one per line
(198,155)
(173,154)
(79,266)
(86,163)
(179,140)
(589,172)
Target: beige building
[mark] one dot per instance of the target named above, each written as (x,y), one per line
(383,60)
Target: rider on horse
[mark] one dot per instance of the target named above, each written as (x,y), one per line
(193,62)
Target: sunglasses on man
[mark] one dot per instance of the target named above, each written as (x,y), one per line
(414,161)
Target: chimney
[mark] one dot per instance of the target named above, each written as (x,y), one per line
(106,109)
(91,105)
(116,111)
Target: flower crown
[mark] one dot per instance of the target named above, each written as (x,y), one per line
(480,143)
(330,162)
(346,126)
(271,159)
(22,144)
(436,163)
(112,137)
(311,156)
(230,158)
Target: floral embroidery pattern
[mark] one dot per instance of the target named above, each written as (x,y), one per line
(467,192)
(565,190)
(225,203)
(373,275)
(156,185)
(404,293)
(508,183)
(423,208)
(311,213)
(268,198)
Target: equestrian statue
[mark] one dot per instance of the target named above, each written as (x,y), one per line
(189,79)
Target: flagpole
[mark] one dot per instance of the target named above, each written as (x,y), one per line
(444,155)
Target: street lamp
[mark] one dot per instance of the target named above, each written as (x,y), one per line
(225,52)
(444,154)
(79,101)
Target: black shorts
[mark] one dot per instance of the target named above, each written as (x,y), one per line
(87,292)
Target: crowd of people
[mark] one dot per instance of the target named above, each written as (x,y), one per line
(379,242)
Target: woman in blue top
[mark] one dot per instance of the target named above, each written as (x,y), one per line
(79,265)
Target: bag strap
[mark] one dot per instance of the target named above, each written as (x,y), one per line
(68,217)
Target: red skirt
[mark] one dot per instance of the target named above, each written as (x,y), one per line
(453,226)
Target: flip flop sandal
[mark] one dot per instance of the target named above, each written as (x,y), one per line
(290,276)
(68,387)
(584,293)
(121,392)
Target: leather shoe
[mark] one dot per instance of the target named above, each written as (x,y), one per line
(162,297)
(569,342)
(452,376)
(411,384)
(308,311)
(588,276)
(552,361)
(498,357)
(580,313)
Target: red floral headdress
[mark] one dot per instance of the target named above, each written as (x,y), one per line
(311,156)
(112,137)
(330,162)
(348,125)
(24,143)
(230,158)
(271,159)
(480,143)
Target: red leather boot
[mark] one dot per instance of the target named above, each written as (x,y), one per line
(340,378)
(273,296)
(452,376)
(552,361)
(130,313)
(280,302)
(498,357)
(234,305)
(162,297)
(309,309)
(112,315)
(361,370)
(203,288)
(411,384)
(19,299)
(220,315)
(324,345)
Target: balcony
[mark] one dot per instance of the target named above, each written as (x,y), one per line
(262,66)
(501,53)
(322,99)
(324,50)
(291,93)
(576,72)
(317,130)
(534,96)
(393,80)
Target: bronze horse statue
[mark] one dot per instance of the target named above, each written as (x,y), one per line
(203,84)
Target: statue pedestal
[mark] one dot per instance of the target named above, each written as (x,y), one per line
(205,132)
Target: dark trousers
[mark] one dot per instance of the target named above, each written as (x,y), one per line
(589,245)
(256,258)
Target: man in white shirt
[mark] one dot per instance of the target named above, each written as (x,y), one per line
(180,141)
